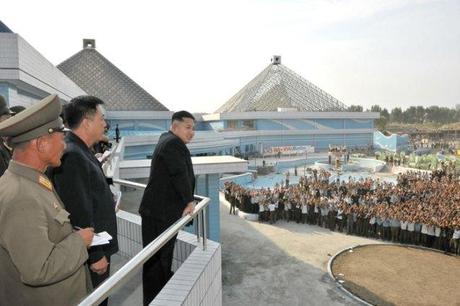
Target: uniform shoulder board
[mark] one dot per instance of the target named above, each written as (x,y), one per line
(45,183)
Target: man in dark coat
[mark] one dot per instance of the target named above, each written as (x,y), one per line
(82,185)
(167,197)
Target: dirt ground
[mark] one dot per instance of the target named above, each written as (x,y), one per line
(400,275)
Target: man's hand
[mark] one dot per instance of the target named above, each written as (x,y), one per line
(87,235)
(189,209)
(100,267)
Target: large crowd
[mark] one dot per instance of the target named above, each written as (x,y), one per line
(421,208)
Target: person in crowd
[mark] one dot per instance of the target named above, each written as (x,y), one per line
(233,205)
(395,225)
(168,196)
(455,241)
(117,134)
(42,258)
(81,183)
(272,212)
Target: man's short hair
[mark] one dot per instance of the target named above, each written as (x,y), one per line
(181,115)
(79,108)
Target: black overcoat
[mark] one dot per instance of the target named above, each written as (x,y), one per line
(171,182)
(83,188)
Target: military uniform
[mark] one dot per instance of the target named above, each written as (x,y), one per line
(42,260)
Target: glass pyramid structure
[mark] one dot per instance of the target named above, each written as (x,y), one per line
(279,87)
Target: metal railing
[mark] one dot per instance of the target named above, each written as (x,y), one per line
(125,273)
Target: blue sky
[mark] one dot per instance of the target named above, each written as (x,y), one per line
(196,54)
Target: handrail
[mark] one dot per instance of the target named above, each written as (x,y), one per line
(123,275)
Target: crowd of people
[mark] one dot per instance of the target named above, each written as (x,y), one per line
(421,209)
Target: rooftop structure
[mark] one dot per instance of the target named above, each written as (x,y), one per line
(277,88)
(4,28)
(99,77)
(26,76)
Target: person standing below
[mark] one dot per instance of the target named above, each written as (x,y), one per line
(82,185)
(5,150)
(42,260)
(167,197)
(117,134)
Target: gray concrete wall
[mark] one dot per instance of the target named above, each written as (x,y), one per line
(198,274)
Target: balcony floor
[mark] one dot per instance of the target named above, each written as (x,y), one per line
(129,294)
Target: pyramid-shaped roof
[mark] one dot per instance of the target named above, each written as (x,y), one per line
(99,77)
(279,87)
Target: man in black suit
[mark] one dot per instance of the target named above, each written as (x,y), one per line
(167,197)
(82,185)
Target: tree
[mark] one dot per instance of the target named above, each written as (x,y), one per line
(396,115)
(420,114)
(409,115)
(355,108)
(376,108)
(385,114)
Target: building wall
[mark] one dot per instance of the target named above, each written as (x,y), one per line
(319,142)
(27,77)
(208,185)
(15,96)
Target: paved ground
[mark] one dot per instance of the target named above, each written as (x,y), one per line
(281,264)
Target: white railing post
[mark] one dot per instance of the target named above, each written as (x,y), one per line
(204,233)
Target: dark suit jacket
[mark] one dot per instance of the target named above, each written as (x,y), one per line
(5,157)
(171,182)
(82,187)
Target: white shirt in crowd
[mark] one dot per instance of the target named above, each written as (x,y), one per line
(430,230)
(456,234)
(404,225)
(437,231)
(411,226)
(304,208)
(271,207)
(424,228)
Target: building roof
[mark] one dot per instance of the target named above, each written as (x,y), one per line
(4,28)
(31,73)
(99,77)
(277,87)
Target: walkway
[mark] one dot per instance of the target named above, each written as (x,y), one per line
(281,264)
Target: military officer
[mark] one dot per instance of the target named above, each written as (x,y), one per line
(5,150)
(42,260)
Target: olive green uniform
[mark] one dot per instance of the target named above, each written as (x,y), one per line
(41,258)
